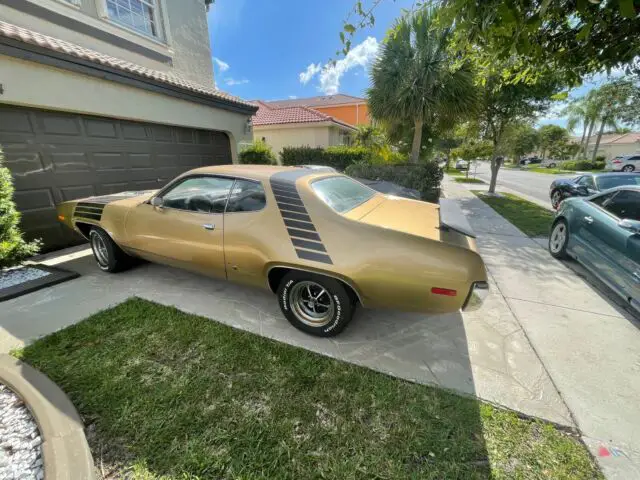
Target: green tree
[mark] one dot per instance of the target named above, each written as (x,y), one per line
(370,137)
(552,137)
(504,104)
(618,101)
(13,248)
(472,150)
(413,82)
(519,139)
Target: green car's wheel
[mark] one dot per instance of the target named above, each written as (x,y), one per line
(559,239)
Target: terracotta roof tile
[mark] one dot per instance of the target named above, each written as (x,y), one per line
(321,101)
(268,115)
(9,30)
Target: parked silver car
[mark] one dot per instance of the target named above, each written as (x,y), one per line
(624,163)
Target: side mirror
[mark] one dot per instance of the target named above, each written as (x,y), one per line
(631,225)
(157,202)
(582,190)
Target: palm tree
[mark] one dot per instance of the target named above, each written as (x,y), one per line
(576,113)
(413,82)
(369,136)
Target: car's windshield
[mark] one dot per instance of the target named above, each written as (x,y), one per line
(610,181)
(342,193)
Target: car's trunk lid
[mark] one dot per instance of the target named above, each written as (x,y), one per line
(444,222)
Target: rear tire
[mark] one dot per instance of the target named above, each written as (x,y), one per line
(628,168)
(559,239)
(109,256)
(315,304)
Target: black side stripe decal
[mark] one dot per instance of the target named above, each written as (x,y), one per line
(89,210)
(302,232)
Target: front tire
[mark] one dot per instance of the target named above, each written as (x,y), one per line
(559,239)
(109,256)
(315,304)
(556,198)
(628,168)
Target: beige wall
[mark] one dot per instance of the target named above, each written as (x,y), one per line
(35,85)
(185,39)
(298,135)
(614,149)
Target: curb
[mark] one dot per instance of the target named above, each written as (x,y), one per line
(65,451)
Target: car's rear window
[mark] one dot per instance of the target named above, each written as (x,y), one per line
(610,181)
(342,193)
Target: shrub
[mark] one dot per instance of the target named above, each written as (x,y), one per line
(424,177)
(258,153)
(338,157)
(601,159)
(13,248)
(582,165)
(599,165)
(569,165)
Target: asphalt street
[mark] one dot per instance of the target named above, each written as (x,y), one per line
(529,183)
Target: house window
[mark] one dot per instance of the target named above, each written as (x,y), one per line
(140,15)
(72,2)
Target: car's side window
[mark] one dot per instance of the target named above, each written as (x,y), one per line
(203,194)
(635,158)
(587,181)
(246,196)
(601,199)
(625,204)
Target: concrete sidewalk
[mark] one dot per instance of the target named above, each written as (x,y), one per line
(589,345)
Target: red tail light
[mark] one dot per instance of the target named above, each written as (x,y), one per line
(444,291)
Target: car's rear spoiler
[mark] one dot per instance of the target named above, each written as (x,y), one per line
(452,218)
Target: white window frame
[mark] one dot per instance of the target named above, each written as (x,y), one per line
(158,19)
(72,3)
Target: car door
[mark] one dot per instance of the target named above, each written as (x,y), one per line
(615,251)
(248,233)
(187,229)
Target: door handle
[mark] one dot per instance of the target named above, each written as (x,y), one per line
(208,226)
(588,219)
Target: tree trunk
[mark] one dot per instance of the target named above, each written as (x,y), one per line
(584,134)
(595,150)
(495,166)
(417,141)
(586,142)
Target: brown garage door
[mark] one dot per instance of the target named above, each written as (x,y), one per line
(57,156)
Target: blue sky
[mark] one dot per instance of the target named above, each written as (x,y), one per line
(278,49)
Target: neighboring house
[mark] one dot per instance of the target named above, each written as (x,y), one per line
(101,96)
(614,144)
(283,127)
(348,109)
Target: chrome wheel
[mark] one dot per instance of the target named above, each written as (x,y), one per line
(100,249)
(312,303)
(628,168)
(556,198)
(558,238)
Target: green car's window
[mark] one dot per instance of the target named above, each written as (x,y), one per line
(625,204)
(246,196)
(342,193)
(199,194)
(611,181)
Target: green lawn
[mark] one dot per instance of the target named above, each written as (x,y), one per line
(552,171)
(468,180)
(455,172)
(169,395)
(532,219)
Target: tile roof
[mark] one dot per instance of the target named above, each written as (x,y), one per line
(615,138)
(270,115)
(321,101)
(11,31)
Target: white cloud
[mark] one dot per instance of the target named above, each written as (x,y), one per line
(309,73)
(359,56)
(293,97)
(222,66)
(232,81)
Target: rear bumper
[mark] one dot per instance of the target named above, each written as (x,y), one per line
(477,295)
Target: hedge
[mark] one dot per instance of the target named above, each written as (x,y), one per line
(339,157)
(258,153)
(583,165)
(424,177)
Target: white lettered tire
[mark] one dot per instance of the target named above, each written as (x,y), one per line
(315,304)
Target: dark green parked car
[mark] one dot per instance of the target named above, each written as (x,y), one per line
(602,232)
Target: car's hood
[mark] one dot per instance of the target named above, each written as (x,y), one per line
(405,215)
(564,181)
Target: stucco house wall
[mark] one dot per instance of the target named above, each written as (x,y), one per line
(354,114)
(183,45)
(612,150)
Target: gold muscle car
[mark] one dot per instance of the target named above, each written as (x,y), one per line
(321,241)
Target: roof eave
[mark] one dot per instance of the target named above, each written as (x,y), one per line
(34,53)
